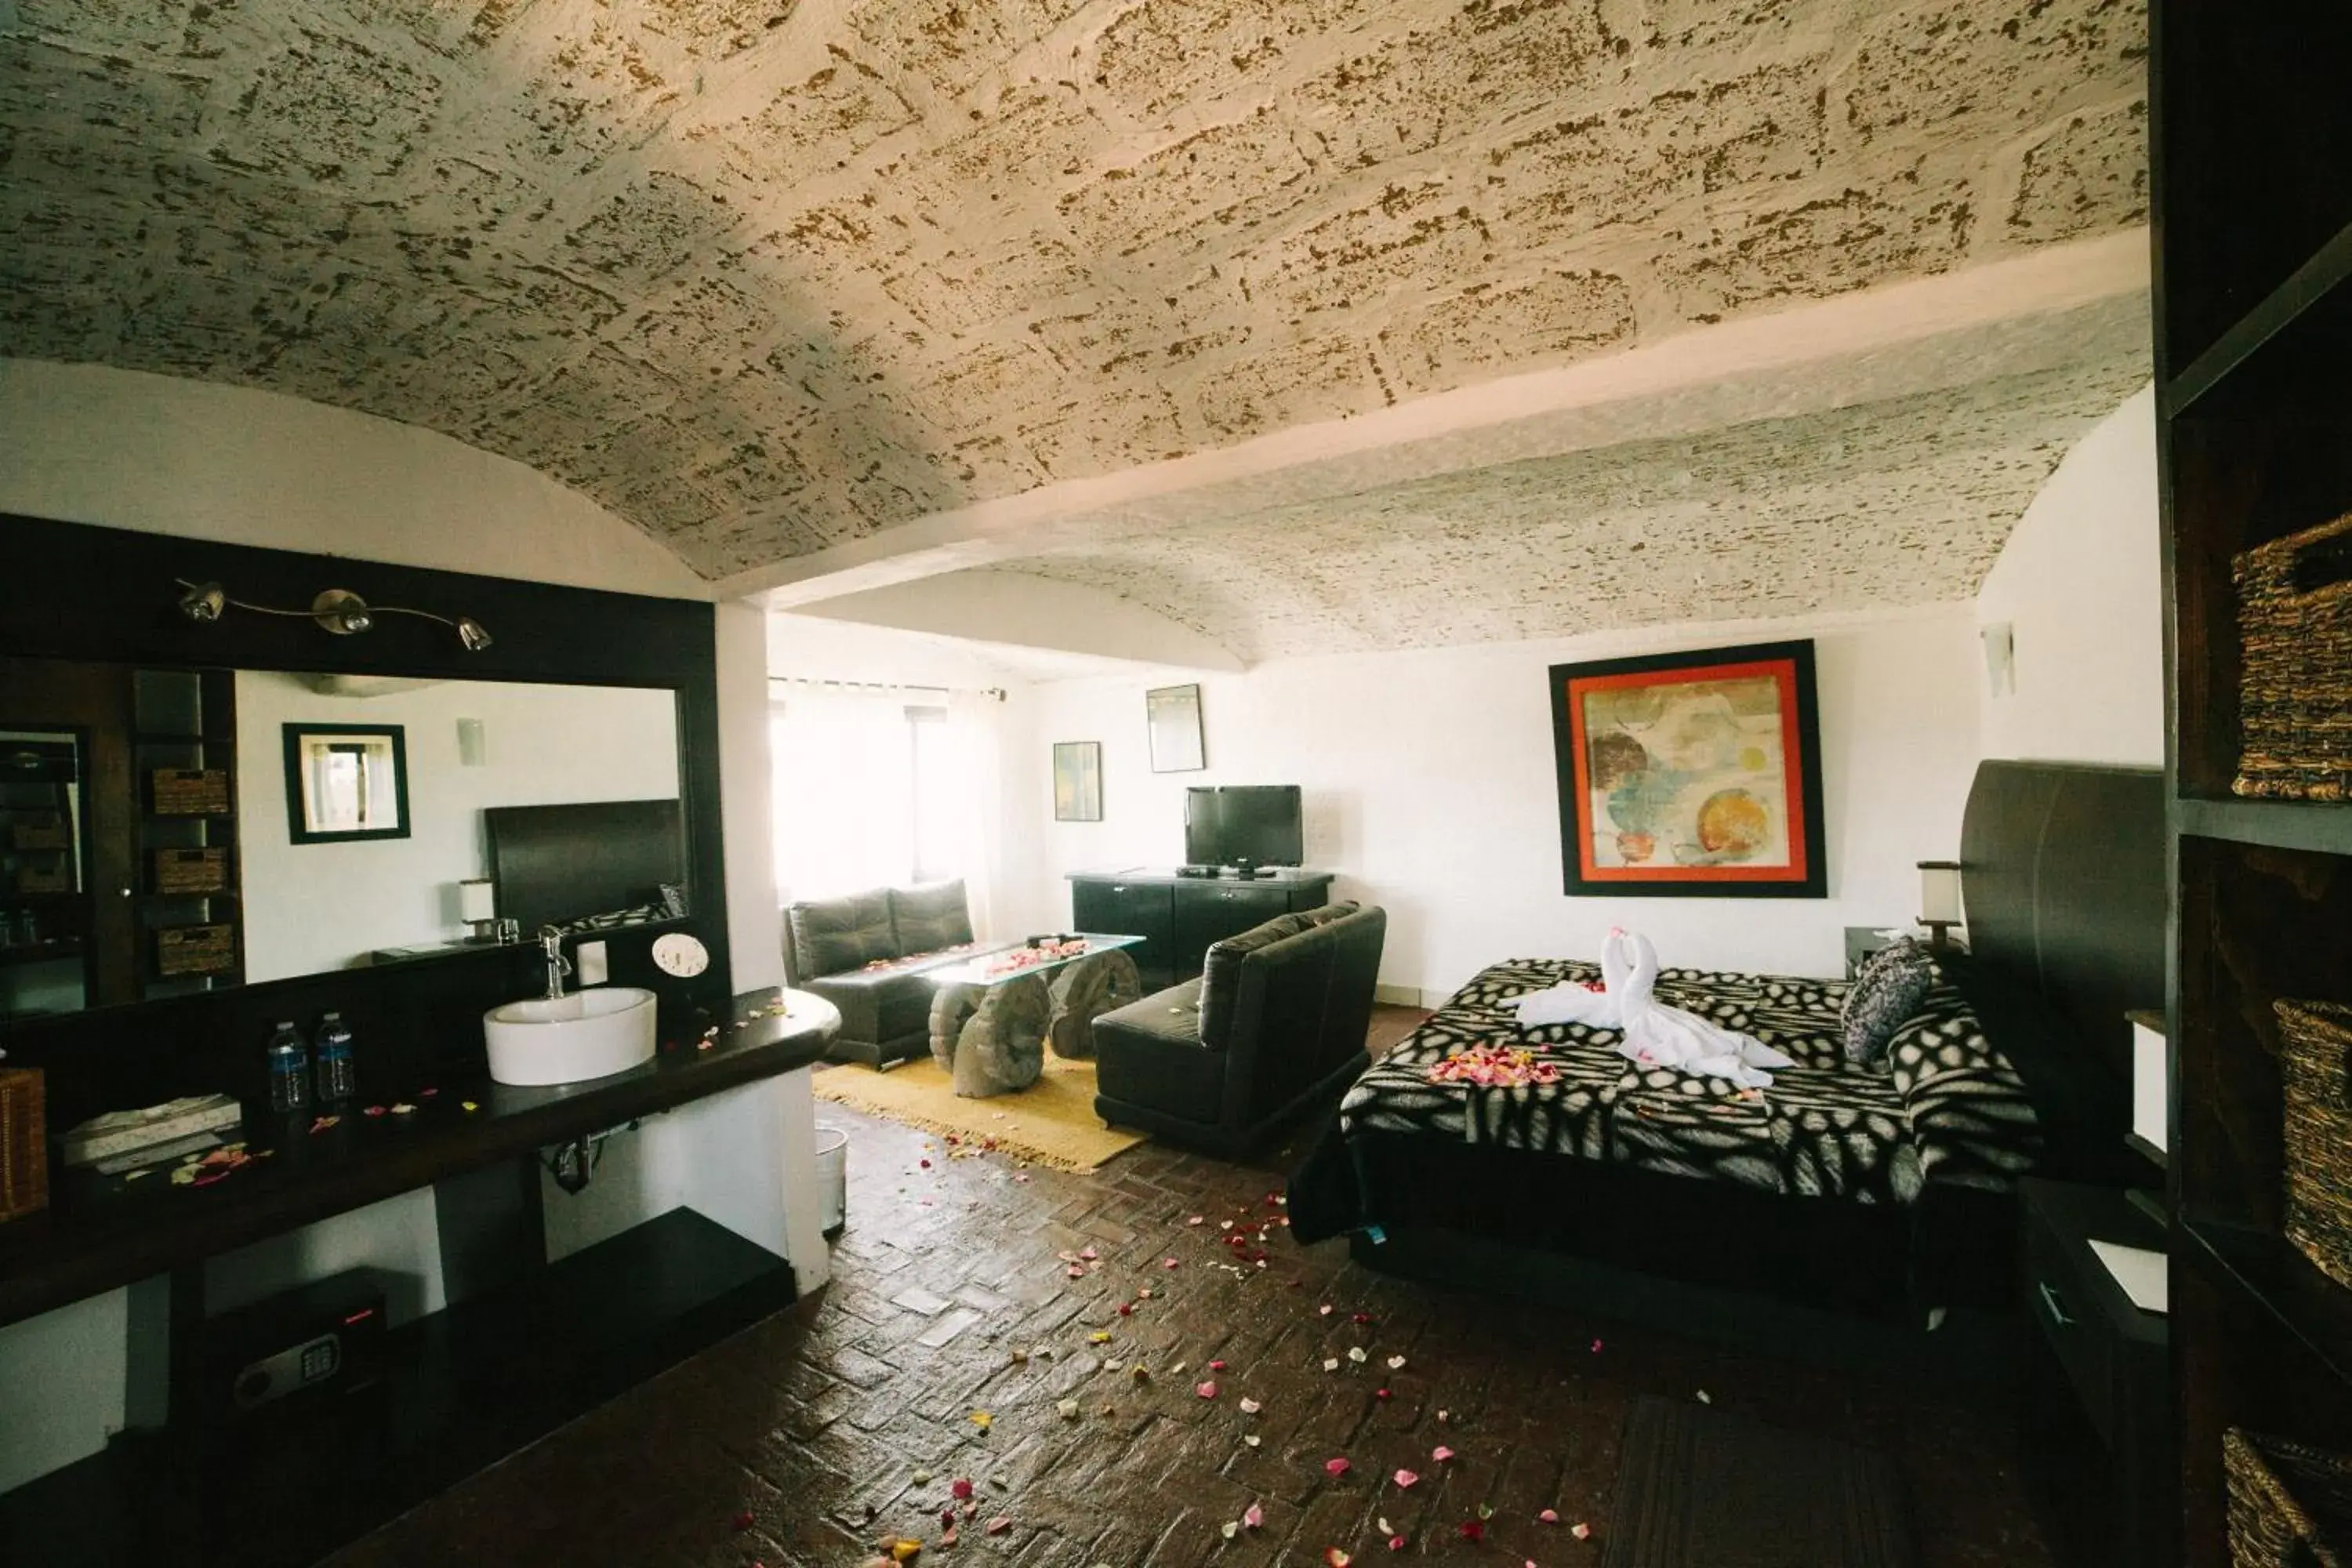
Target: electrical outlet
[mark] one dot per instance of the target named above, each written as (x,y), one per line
(590,959)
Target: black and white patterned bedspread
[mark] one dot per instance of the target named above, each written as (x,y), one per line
(1950,1108)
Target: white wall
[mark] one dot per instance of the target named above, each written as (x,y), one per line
(2080,583)
(1429,786)
(123,449)
(314,906)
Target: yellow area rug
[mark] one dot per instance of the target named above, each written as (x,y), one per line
(1052,1122)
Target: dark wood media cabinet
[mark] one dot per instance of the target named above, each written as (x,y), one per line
(1179,917)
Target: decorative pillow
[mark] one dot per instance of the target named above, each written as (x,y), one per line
(1221,971)
(1885,993)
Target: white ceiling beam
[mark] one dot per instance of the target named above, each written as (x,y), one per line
(1542,413)
(1015,609)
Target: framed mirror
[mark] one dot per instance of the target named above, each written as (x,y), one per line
(169,831)
(346,781)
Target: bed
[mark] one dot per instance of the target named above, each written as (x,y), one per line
(1889,1193)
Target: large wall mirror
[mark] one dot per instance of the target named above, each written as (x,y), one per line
(169,831)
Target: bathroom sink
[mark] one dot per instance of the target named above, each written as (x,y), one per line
(589,1034)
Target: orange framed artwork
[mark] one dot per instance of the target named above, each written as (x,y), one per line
(1691,775)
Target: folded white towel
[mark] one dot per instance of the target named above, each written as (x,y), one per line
(1655,1034)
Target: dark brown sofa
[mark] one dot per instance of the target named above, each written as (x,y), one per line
(867,954)
(1274,1026)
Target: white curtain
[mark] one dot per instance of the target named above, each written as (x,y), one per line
(844,791)
(875,788)
(976,727)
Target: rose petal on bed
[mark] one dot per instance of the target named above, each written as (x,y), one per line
(1405,1478)
(1356,1354)
(1441,1453)
(960,1488)
(1396,1363)
(1089,1254)
(1335,1558)
(1230,1529)
(1335,1466)
(1471,1529)
(1225,1224)
(1331,1364)
(1703,1398)
(1324,1311)
(1365,1318)
(1396,1544)
(1167,1263)
(904,1551)
(981,1420)
(1127,1309)
(1205,1390)
(1581,1531)
(1550,1516)
(1252,1517)
(1440,1418)
(999,1524)
(1196,1219)
(1486,1510)
(1217,1366)
(1253,1439)
(1140,1373)
(1596,1347)
(1144,1291)
(1379,1393)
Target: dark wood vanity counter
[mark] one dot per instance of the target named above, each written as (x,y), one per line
(103,1232)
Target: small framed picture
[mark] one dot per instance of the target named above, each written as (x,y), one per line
(346,781)
(1078,780)
(1172,714)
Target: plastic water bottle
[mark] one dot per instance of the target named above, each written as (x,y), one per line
(337,1078)
(290,1070)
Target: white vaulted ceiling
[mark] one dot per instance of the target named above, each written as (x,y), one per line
(774,279)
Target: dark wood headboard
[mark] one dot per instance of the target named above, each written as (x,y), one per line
(2062,866)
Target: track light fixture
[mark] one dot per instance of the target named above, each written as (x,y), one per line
(339,610)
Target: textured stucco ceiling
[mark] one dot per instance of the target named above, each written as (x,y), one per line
(1904,501)
(765,275)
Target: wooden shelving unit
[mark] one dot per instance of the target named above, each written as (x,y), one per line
(2252,129)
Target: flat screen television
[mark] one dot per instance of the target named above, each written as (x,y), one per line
(1229,825)
(557,864)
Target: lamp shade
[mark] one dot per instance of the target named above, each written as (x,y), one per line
(476,899)
(1939,893)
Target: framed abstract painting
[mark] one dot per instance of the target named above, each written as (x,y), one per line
(1691,775)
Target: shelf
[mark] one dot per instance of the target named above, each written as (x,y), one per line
(2296,335)
(40,952)
(2320,828)
(2265,1273)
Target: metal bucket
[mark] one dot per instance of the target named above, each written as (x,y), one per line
(833,1176)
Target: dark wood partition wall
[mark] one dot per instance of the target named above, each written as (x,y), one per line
(73,591)
(2253,127)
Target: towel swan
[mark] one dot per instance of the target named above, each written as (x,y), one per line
(1655,1034)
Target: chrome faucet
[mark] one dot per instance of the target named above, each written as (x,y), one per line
(550,941)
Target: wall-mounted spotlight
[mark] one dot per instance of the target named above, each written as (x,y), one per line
(338,610)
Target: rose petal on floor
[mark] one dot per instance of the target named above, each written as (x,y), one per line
(1405,1478)
(1335,1466)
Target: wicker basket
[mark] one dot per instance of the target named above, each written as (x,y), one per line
(24,1144)
(2295,682)
(2284,1496)
(2316,1051)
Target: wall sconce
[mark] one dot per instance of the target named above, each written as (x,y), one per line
(338,610)
(1939,901)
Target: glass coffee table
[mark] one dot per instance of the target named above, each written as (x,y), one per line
(996,1011)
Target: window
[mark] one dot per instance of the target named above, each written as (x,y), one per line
(869,791)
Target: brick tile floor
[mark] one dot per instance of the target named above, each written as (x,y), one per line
(809,1438)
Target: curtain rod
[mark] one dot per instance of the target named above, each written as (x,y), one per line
(995,691)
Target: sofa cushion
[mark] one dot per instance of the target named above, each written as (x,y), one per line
(1221,971)
(830,935)
(1149,1054)
(930,917)
(1885,993)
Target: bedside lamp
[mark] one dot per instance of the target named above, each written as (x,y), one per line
(477,907)
(1939,901)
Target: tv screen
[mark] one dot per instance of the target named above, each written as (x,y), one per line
(1229,823)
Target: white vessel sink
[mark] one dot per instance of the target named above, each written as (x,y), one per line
(589,1034)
